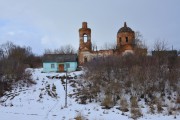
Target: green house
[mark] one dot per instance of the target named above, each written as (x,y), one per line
(59,62)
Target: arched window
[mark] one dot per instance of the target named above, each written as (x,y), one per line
(85,37)
(126,39)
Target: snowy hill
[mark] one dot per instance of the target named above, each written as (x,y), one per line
(46,100)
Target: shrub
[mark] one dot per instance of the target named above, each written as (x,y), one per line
(135,113)
(135,110)
(83,99)
(151,109)
(53,88)
(134,103)
(159,106)
(107,102)
(178,100)
(27,78)
(123,105)
(79,117)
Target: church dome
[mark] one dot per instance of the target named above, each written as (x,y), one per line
(125,29)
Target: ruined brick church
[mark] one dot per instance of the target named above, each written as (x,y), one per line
(125,44)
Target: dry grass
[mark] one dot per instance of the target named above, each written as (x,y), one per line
(107,102)
(124,105)
(79,117)
(136,113)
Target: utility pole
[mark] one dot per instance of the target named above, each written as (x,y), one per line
(67,66)
(66,90)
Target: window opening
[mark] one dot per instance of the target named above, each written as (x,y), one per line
(85,37)
(120,40)
(126,39)
(52,66)
(67,65)
(85,59)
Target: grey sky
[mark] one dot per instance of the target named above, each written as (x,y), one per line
(52,23)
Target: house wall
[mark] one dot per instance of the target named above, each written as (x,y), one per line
(90,55)
(73,66)
(47,67)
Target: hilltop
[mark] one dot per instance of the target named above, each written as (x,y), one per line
(45,100)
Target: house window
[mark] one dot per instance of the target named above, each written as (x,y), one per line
(126,39)
(85,37)
(67,65)
(52,66)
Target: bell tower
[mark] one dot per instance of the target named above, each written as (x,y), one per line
(85,46)
(85,38)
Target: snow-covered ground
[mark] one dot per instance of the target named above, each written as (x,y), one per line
(40,102)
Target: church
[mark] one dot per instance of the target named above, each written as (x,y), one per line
(125,43)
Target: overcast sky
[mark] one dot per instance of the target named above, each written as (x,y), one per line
(52,23)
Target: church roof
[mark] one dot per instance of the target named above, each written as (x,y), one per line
(125,29)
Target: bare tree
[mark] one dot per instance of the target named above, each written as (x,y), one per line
(48,51)
(13,63)
(6,48)
(94,47)
(139,40)
(109,46)
(67,49)
(160,45)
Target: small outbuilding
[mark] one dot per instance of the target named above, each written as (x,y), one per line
(165,53)
(60,62)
